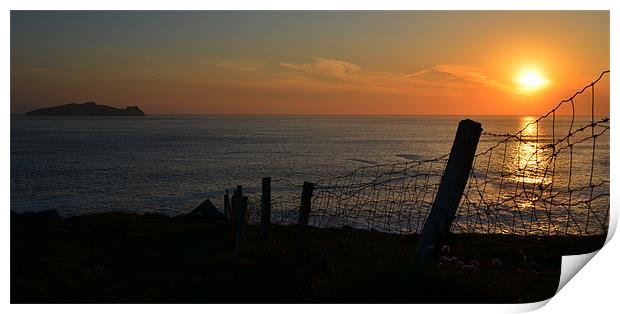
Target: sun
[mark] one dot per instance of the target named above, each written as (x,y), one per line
(531,80)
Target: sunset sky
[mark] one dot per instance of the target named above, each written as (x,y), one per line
(450,62)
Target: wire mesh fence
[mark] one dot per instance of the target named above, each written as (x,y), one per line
(551,177)
(394,198)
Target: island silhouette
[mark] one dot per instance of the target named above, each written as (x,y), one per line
(86,109)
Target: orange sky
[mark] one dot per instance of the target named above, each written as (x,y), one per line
(447,62)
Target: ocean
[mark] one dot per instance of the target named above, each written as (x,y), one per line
(170,164)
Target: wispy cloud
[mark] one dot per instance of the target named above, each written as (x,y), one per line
(328,73)
(342,74)
(452,75)
(244,65)
(328,68)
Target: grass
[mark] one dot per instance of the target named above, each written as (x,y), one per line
(129,258)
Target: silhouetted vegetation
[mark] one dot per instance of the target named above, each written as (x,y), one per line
(132,258)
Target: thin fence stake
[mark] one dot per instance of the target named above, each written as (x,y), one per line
(265,218)
(239,206)
(227,213)
(304,212)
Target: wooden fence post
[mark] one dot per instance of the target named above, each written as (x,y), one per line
(245,214)
(304,212)
(227,216)
(239,206)
(265,218)
(451,187)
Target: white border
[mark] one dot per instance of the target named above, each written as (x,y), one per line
(593,289)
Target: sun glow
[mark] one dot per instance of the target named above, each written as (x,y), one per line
(531,80)
(530,154)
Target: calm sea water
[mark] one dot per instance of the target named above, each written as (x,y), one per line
(170,164)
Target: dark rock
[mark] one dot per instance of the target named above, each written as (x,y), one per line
(86,109)
(206,210)
(49,214)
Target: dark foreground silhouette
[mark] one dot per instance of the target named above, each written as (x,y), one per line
(86,109)
(130,258)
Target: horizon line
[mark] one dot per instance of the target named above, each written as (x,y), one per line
(331,114)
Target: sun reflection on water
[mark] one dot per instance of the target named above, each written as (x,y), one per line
(530,156)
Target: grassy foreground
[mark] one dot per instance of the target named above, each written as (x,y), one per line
(129,258)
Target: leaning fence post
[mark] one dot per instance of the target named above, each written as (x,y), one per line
(304,211)
(265,218)
(451,187)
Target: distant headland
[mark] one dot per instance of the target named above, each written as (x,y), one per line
(86,109)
